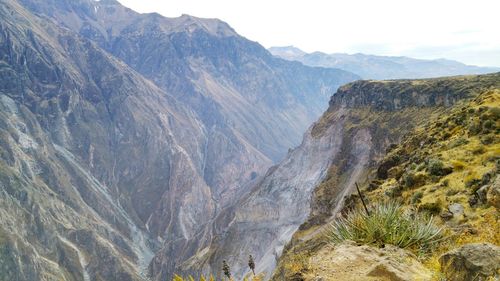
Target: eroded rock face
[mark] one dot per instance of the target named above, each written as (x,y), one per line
(123,134)
(478,261)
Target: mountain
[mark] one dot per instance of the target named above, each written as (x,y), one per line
(381,67)
(302,194)
(124,135)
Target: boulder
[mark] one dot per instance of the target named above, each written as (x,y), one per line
(348,261)
(477,262)
(457,210)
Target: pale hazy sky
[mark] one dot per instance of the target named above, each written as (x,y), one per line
(468,31)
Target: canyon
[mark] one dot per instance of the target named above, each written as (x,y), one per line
(135,146)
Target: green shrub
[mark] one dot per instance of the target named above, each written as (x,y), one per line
(435,167)
(495,113)
(475,128)
(412,180)
(388,223)
(417,196)
(488,139)
(433,208)
(458,142)
(489,124)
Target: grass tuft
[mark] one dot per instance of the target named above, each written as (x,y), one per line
(387,223)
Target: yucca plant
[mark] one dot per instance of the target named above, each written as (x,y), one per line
(387,223)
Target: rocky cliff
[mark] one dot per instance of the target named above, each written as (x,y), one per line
(307,189)
(124,135)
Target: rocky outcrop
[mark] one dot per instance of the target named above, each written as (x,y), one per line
(472,262)
(349,261)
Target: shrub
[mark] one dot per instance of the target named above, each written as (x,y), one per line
(437,168)
(488,139)
(474,128)
(478,150)
(388,223)
(446,182)
(417,196)
(458,165)
(412,180)
(489,124)
(458,142)
(495,113)
(433,208)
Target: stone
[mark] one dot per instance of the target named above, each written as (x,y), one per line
(457,210)
(493,196)
(446,215)
(477,261)
(473,200)
(482,194)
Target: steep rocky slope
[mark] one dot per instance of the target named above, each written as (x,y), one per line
(381,67)
(308,187)
(112,153)
(445,166)
(206,64)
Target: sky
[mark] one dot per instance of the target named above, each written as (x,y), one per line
(467,31)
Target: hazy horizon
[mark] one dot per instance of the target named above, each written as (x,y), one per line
(457,30)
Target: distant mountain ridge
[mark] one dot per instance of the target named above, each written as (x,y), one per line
(381,67)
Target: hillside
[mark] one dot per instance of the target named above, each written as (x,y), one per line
(306,190)
(381,67)
(446,166)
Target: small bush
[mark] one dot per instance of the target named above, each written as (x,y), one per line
(489,124)
(388,223)
(433,208)
(417,196)
(437,168)
(478,150)
(458,142)
(445,183)
(474,128)
(458,165)
(413,180)
(488,139)
(495,113)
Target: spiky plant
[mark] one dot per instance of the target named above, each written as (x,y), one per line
(388,223)
(251,264)
(226,269)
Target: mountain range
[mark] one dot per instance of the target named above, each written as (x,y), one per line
(381,67)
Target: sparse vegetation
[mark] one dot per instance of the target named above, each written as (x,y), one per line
(388,223)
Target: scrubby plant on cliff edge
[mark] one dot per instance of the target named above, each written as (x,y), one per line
(388,223)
